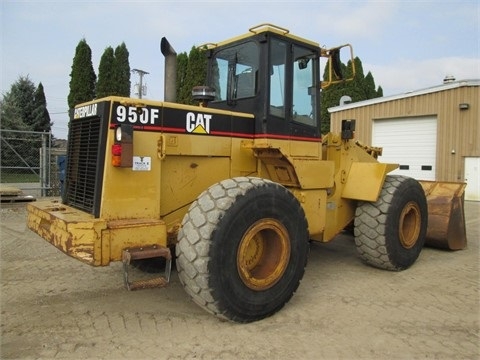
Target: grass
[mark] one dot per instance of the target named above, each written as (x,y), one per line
(6,177)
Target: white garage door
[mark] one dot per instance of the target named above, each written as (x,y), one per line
(410,142)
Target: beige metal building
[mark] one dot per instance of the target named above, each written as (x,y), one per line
(433,133)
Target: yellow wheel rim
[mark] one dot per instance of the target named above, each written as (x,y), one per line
(409,225)
(263,254)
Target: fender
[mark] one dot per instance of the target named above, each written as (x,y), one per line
(298,172)
(365,180)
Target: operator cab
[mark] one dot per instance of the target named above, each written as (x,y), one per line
(271,74)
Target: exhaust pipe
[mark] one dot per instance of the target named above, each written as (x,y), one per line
(170,86)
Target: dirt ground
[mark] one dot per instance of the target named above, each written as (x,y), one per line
(55,307)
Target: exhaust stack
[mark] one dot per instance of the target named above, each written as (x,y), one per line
(170,87)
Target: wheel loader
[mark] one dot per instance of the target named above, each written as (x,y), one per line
(235,189)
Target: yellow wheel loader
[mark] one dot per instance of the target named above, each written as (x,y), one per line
(235,188)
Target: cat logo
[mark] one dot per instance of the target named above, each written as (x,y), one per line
(198,123)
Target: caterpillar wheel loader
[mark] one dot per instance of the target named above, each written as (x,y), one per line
(236,188)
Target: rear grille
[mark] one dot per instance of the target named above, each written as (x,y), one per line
(83,163)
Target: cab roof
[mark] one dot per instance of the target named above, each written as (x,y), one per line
(263,28)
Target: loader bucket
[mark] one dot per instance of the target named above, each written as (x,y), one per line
(446,217)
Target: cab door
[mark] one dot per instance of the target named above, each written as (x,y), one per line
(293,110)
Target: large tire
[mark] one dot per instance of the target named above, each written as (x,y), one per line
(243,248)
(390,233)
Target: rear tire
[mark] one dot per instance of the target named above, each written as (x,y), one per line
(243,248)
(390,233)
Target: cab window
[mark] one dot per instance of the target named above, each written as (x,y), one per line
(304,91)
(278,60)
(235,72)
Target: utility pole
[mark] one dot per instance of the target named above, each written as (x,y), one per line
(140,73)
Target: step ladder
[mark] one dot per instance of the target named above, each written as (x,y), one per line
(141,253)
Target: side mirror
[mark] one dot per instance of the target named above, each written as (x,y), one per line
(335,72)
(303,63)
(336,64)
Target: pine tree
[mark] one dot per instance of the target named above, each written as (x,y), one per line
(122,71)
(18,106)
(331,95)
(182,65)
(82,77)
(22,95)
(41,117)
(106,74)
(24,107)
(369,86)
(196,74)
(356,88)
(379,91)
(360,88)
(10,114)
(11,119)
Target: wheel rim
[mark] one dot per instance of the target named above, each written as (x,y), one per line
(263,254)
(410,224)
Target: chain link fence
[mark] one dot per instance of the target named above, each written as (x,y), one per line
(29,162)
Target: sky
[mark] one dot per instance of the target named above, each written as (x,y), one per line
(407,45)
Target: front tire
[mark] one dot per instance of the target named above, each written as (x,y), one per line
(243,248)
(390,233)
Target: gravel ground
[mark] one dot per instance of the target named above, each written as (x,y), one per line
(55,307)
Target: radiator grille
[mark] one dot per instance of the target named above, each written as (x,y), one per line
(83,163)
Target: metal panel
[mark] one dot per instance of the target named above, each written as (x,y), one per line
(359,189)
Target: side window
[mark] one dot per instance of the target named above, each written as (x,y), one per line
(304,92)
(220,78)
(277,66)
(235,72)
(245,81)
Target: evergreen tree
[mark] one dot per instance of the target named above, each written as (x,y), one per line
(10,114)
(24,107)
(11,119)
(122,71)
(360,88)
(182,65)
(369,86)
(41,117)
(106,74)
(379,91)
(82,77)
(196,74)
(356,88)
(22,95)
(331,95)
